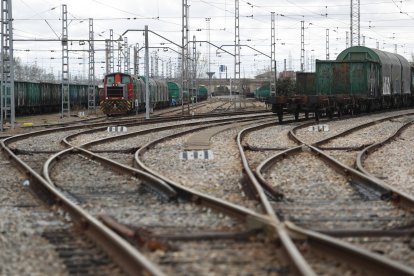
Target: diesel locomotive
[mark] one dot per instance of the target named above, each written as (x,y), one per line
(124,93)
(361,79)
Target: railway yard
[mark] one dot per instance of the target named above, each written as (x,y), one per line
(226,190)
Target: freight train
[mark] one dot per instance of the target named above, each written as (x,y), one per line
(123,93)
(361,79)
(45,97)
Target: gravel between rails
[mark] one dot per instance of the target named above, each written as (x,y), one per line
(139,140)
(394,162)
(318,198)
(311,186)
(219,177)
(46,142)
(338,126)
(98,189)
(398,249)
(270,137)
(85,138)
(25,224)
(346,157)
(101,191)
(369,135)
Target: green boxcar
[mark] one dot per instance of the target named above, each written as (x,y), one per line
(347,78)
(305,83)
(174,92)
(43,97)
(263,92)
(393,69)
(202,93)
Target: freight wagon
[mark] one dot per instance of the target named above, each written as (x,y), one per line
(359,80)
(44,97)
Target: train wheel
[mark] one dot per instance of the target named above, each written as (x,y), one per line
(296,116)
(317,115)
(280,116)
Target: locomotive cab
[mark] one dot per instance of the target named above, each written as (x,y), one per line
(118,93)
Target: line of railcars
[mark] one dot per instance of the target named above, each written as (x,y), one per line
(124,93)
(361,79)
(45,97)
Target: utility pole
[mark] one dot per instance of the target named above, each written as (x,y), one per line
(7,65)
(355,23)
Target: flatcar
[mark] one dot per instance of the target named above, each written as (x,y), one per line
(123,93)
(361,79)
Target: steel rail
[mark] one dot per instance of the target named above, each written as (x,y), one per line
(129,259)
(358,256)
(300,265)
(250,217)
(399,197)
(362,155)
(383,189)
(69,138)
(324,242)
(348,131)
(149,180)
(376,264)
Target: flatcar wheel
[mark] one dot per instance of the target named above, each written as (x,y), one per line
(296,116)
(280,116)
(317,115)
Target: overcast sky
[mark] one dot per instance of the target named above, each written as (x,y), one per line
(383,22)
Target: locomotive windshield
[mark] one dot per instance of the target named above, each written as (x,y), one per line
(126,79)
(110,80)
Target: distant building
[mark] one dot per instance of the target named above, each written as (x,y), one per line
(284,74)
(287,74)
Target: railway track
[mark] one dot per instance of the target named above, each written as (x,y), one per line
(129,259)
(313,195)
(185,225)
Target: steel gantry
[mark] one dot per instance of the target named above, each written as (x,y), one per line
(327,44)
(7,65)
(302,46)
(109,52)
(237,45)
(91,74)
(273,52)
(184,53)
(65,64)
(355,23)
(136,60)
(127,54)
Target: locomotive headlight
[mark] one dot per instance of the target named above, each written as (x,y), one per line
(106,98)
